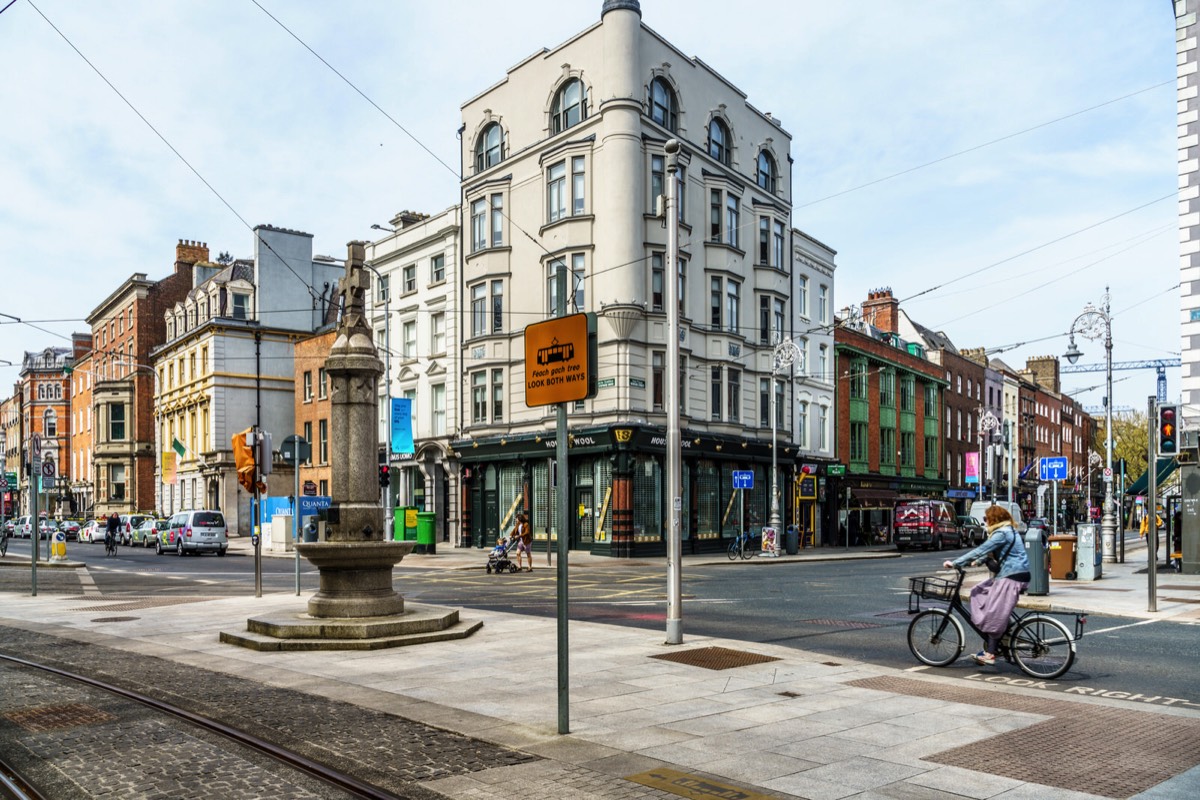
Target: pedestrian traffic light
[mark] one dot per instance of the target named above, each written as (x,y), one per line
(243,459)
(1168,431)
(385,475)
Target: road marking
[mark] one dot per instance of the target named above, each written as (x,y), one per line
(88,583)
(1120,627)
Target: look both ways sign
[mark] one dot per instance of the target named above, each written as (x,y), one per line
(560,360)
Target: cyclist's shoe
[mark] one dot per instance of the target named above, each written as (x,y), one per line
(984,659)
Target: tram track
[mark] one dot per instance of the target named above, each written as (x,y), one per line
(22,786)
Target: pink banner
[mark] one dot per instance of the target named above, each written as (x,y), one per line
(972,475)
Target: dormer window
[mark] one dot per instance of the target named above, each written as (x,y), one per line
(569,107)
(767,174)
(719,141)
(489,148)
(241,306)
(662,104)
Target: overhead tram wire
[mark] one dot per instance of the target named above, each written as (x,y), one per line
(985,144)
(974,272)
(172,148)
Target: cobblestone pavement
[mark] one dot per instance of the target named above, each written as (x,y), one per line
(137,753)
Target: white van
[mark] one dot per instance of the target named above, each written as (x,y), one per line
(979,510)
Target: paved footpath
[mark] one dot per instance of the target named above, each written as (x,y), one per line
(779,723)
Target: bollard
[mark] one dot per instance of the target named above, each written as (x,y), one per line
(58,546)
(1039,567)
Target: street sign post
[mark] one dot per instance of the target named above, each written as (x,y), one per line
(1052,468)
(743,479)
(560,365)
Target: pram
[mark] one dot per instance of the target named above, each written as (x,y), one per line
(498,559)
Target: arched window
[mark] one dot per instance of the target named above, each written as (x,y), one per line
(718,141)
(489,150)
(50,423)
(570,106)
(766,171)
(662,104)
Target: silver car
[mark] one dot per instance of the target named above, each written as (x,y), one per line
(195,532)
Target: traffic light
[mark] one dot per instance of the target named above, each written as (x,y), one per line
(243,459)
(1168,431)
(385,475)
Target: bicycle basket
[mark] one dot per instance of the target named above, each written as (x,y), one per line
(932,588)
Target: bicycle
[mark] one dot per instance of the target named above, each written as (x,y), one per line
(1040,645)
(742,547)
(3,543)
(110,544)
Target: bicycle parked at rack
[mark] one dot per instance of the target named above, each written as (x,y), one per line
(1040,645)
(744,546)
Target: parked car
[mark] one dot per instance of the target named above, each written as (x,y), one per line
(979,508)
(147,533)
(195,532)
(47,528)
(9,524)
(70,529)
(924,522)
(92,532)
(130,523)
(23,528)
(972,530)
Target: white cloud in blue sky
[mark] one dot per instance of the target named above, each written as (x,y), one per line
(89,195)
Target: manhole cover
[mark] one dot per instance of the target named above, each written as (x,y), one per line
(715,658)
(52,718)
(115,619)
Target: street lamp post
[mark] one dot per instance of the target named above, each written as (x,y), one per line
(786,353)
(1095,323)
(987,424)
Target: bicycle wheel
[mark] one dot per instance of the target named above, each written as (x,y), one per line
(935,637)
(733,550)
(1042,647)
(746,551)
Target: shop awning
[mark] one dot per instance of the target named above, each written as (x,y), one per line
(1166,466)
(873,498)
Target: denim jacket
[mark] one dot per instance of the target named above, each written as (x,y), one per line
(1015,562)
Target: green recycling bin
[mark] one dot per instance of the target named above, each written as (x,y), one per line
(404,524)
(426,532)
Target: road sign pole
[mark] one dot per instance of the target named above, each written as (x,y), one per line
(296,514)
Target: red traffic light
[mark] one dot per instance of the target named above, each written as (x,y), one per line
(385,475)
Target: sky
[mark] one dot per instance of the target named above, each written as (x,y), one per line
(997,165)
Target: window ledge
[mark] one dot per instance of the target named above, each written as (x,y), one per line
(567,219)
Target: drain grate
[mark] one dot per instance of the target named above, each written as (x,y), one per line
(1075,749)
(115,619)
(841,623)
(715,658)
(54,718)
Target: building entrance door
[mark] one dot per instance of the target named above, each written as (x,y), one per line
(585,518)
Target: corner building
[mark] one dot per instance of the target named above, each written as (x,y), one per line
(563,161)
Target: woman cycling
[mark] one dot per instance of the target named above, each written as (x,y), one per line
(993,600)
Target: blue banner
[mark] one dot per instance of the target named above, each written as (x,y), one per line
(402,437)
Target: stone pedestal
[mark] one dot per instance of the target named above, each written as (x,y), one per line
(356,578)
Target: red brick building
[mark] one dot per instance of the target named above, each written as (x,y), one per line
(126,327)
(889,419)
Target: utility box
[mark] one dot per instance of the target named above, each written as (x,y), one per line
(404,524)
(1088,552)
(1039,566)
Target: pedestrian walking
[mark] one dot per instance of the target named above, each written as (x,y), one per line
(524,536)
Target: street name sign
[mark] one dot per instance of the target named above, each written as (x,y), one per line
(1052,468)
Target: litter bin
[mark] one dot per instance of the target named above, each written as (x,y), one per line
(1062,557)
(792,542)
(426,532)
(1088,552)
(404,524)
(1039,571)
(310,530)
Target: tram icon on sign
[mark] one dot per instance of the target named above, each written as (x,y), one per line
(555,352)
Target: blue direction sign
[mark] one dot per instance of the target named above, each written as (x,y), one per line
(743,479)
(1053,468)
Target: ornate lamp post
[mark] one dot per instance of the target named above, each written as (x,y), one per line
(987,424)
(1093,324)
(786,353)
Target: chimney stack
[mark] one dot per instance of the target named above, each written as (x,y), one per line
(882,310)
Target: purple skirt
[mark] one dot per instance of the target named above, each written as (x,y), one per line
(993,601)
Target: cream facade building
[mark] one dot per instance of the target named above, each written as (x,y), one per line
(565,159)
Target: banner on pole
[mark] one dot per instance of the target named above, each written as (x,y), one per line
(972,473)
(402,436)
(170,473)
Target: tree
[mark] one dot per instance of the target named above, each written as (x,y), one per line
(1129,442)
(225,258)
